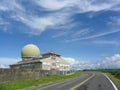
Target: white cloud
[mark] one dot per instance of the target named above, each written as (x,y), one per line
(6,5)
(94,36)
(65,30)
(37,24)
(6,61)
(112,62)
(41,23)
(114,21)
(80,33)
(70,60)
(61,33)
(82,6)
(79,64)
(60,12)
(3,22)
(53,4)
(107,42)
(2,66)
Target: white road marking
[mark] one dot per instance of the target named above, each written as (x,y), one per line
(111,82)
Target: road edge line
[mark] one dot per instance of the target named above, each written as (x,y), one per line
(83,82)
(115,87)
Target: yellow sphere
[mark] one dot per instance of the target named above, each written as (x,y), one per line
(30,50)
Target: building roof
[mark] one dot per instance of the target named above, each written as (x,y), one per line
(53,53)
(56,59)
(48,59)
(26,62)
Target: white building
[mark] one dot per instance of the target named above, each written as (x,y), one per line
(31,59)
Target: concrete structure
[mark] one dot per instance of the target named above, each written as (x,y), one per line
(31,59)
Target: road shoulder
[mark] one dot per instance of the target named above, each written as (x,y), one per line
(47,84)
(115,80)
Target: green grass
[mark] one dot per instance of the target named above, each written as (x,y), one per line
(15,85)
(114,79)
(115,73)
(114,76)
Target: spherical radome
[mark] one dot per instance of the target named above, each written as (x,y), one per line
(30,50)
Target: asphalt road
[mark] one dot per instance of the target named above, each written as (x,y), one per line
(88,81)
(98,82)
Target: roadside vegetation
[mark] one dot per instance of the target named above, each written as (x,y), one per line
(114,75)
(15,85)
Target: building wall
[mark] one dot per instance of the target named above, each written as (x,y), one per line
(47,62)
(20,74)
(56,63)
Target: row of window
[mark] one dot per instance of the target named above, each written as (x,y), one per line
(54,64)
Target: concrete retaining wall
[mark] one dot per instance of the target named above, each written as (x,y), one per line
(19,74)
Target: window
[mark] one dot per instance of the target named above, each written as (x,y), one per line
(57,61)
(53,64)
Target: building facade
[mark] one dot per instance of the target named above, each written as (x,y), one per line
(31,59)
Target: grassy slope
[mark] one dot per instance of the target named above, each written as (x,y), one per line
(115,80)
(15,85)
(114,75)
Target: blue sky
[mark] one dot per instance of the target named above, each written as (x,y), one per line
(82,31)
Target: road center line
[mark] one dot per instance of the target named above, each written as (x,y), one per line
(111,82)
(83,82)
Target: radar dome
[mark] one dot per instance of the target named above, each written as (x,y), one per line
(30,50)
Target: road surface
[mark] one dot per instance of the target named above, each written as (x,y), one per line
(88,81)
